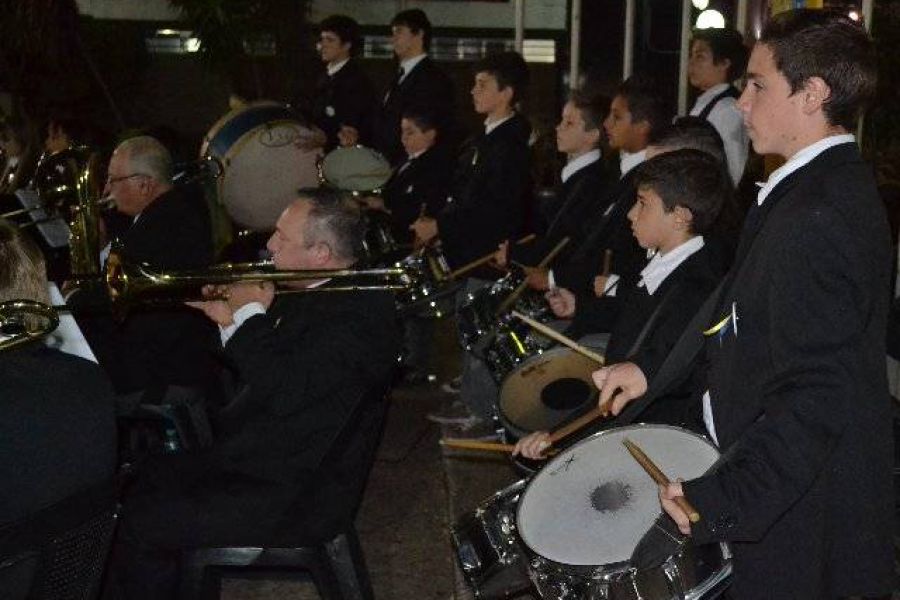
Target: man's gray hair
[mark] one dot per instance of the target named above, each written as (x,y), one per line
(335,219)
(147,156)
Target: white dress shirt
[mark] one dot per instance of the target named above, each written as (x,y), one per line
(578,163)
(729,122)
(333,68)
(628,161)
(662,265)
(409,64)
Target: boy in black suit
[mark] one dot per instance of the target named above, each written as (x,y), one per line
(791,348)
(679,195)
(344,95)
(419,82)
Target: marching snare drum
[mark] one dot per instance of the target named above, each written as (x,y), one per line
(263,163)
(431,294)
(492,558)
(355,169)
(583,514)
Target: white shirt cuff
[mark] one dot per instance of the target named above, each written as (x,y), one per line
(248,310)
(609,289)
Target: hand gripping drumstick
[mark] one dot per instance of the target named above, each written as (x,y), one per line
(510,300)
(660,478)
(484,259)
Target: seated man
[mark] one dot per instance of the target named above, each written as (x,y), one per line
(151,349)
(679,195)
(292,447)
(58,432)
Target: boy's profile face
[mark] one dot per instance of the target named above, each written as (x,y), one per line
(572,136)
(406,43)
(703,71)
(414,138)
(652,226)
(621,131)
(487,97)
(331,48)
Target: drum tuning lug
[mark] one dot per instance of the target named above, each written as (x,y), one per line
(673,578)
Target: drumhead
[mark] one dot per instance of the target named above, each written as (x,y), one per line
(263,165)
(356,169)
(592,503)
(547,389)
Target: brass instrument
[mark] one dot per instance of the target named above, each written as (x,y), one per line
(17,319)
(129,284)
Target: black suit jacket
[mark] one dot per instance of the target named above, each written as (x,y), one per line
(576,206)
(609,229)
(490,196)
(164,345)
(345,98)
(292,447)
(799,392)
(57,434)
(428,86)
(422,180)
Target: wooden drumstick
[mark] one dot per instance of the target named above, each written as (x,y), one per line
(514,295)
(554,335)
(465,444)
(483,260)
(607,262)
(660,478)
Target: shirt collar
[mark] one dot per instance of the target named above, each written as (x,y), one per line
(707,96)
(628,161)
(489,125)
(410,63)
(800,159)
(579,162)
(333,68)
(662,265)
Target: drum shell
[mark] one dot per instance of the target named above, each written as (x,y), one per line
(262,161)
(432,294)
(490,554)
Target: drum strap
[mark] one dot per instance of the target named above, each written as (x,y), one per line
(654,316)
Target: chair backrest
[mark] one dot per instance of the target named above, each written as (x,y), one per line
(59,552)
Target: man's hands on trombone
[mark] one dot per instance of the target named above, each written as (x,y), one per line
(625,378)
(426,229)
(223,300)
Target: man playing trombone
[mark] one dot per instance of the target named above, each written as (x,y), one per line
(289,459)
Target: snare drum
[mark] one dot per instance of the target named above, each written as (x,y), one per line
(546,390)
(492,558)
(583,514)
(355,169)
(431,294)
(263,164)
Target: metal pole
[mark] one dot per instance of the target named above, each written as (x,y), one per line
(628,46)
(741,24)
(575,45)
(683,56)
(520,26)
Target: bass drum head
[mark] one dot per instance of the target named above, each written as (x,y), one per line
(263,163)
(592,503)
(547,389)
(356,169)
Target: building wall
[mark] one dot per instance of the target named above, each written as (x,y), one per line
(136,10)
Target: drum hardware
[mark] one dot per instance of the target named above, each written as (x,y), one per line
(264,166)
(511,299)
(26,320)
(205,166)
(580,518)
(562,339)
(660,478)
(429,296)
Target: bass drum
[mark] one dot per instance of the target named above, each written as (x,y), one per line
(583,514)
(263,164)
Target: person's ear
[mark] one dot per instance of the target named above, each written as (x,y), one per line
(814,95)
(683,218)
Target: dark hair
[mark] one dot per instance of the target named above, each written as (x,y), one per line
(509,69)
(689,178)
(345,28)
(725,44)
(416,20)
(592,106)
(809,43)
(424,117)
(336,219)
(694,133)
(646,102)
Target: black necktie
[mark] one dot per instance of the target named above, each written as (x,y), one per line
(395,84)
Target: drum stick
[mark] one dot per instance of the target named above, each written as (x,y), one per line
(514,295)
(483,260)
(566,341)
(660,478)
(465,444)
(607,262)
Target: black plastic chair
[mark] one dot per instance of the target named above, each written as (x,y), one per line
(337,567)
(60,552)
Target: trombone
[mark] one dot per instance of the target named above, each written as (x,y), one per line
(17,321)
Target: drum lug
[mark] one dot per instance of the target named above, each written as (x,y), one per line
(673,578)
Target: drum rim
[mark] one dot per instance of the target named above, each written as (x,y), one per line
(522,365)
(613,567)
(227,117)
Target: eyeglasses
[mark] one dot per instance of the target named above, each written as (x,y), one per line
(114,180)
